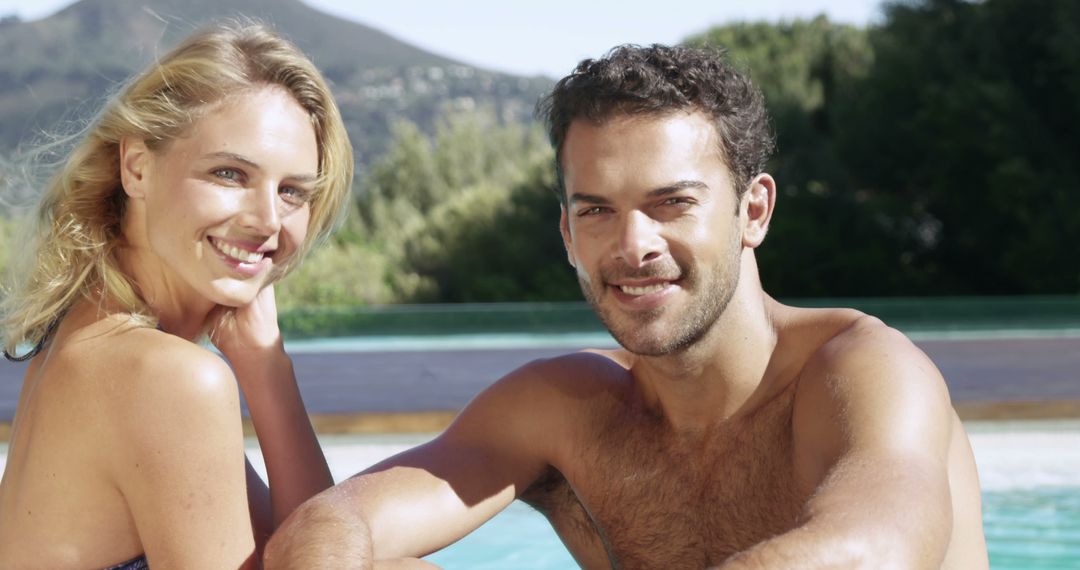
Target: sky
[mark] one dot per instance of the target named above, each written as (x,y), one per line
(548,37)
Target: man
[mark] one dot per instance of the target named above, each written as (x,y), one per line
(729,431)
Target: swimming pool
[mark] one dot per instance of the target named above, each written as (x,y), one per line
(1030,473)
(1029,470)
(1026,529)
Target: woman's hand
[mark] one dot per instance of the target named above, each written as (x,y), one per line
(252,330)
(251,341)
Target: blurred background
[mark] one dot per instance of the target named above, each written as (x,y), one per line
(926,148)
(928,172)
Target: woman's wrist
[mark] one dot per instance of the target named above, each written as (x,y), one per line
(260,369)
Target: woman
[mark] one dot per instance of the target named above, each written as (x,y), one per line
(202,183)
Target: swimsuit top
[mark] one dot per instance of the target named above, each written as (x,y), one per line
(37,347)
(133,564)
(41,342)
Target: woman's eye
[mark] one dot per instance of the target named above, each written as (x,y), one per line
(295,195)
(230,174)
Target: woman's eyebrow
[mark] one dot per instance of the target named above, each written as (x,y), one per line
(252,164)
(234,157)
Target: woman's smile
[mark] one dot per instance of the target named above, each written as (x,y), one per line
(240,257)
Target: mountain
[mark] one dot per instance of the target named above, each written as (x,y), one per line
(56,71)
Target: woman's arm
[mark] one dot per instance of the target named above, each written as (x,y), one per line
(295,463)
(176,454)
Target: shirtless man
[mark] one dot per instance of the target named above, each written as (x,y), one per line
(730,430)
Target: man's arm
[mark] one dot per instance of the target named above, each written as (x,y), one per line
(873,424)
(430,496)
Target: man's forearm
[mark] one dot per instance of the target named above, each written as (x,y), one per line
(405,564)
(321,533)
(799,548)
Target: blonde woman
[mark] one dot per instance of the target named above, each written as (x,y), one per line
(200,184)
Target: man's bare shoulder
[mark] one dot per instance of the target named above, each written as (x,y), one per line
(574,375)
(866,383)
(546,399)
(838,342)
(865,349)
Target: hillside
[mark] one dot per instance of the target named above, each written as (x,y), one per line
(59,68)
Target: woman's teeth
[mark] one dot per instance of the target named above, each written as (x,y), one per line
(644,290)
(237,253)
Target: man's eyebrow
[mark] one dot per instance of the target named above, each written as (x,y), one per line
(252,164)
(678,186)
(655,193)
(587,198)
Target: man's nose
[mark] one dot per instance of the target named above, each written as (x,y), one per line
(639,239)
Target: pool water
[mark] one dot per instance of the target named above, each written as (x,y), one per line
(517,538)
(1026,529)
(1033,529)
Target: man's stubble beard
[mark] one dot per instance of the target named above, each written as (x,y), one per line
(708,301)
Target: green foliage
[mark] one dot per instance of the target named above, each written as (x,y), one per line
(914,156)
(337,274)
(469,215)
(909,158)
(808,71)
(966,127)
(935,153)
(499,245)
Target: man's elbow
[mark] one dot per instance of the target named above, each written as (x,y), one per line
(887,550)
(320,533)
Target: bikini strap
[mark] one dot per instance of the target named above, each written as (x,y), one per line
(37,347)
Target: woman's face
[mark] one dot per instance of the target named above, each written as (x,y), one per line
(230,200)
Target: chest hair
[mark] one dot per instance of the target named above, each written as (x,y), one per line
(655,500)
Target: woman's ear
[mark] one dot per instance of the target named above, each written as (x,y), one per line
(759,202)
(134,161)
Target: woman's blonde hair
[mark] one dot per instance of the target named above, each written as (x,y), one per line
(80,213)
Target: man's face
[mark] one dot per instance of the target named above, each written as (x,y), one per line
(651,225)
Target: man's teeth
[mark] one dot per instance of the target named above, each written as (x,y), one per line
(237,253)
(630,290)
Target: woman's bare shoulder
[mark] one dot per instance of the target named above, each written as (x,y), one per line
(138,377)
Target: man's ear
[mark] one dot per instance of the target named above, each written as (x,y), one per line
(758,203)
(564,229)
(134,161)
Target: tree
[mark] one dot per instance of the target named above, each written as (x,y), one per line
(965,124)
(828,236)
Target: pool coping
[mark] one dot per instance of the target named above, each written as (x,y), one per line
(433,421)
(437,420)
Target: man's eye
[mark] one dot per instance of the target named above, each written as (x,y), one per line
(592,211)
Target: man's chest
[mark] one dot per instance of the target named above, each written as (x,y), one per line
(691,510)
(653,503)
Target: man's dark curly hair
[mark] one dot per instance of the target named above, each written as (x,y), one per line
(657,80)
